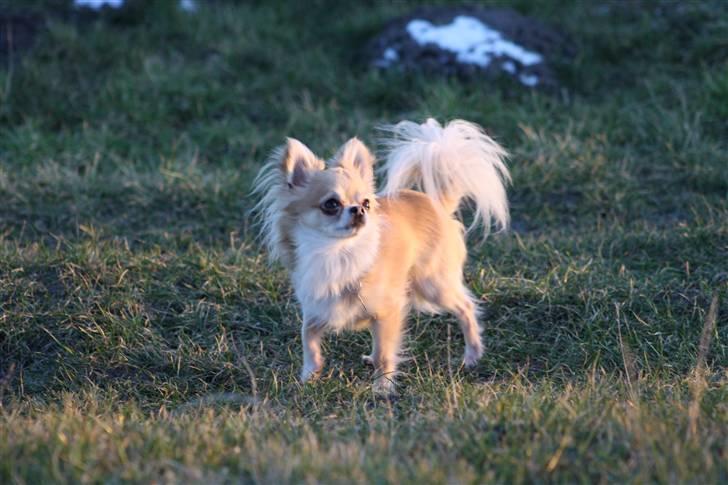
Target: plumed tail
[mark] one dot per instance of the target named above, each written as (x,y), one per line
(451,163)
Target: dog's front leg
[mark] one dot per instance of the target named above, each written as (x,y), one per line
(387,339)
(313,361)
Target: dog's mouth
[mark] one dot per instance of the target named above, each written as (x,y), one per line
(350,230)
(354,225)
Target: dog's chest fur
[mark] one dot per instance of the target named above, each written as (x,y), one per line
(328,272)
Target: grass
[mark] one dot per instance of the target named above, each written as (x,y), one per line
(144,338)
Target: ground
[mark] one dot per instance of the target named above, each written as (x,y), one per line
(143,337)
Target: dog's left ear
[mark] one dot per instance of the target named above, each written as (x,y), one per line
(355,155)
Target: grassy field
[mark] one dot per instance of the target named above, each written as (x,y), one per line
(144,338)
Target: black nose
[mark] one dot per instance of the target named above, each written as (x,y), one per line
(357,216)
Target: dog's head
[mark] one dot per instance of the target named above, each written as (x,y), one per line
(336,199)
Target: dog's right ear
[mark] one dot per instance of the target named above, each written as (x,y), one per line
(298,163)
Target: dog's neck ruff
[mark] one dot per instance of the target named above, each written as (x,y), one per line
(329,268)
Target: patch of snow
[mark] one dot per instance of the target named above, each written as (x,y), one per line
(471,40)
(188,5)
(529,80)
(98,4)
(509,67)
(389,56)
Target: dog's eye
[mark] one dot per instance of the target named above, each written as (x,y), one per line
(366,204)
(331,206)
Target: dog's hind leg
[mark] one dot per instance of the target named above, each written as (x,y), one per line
(465,311)
(456,299)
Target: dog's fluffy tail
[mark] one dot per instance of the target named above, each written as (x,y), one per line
(451,163)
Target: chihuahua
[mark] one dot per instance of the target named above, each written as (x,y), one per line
(360,259)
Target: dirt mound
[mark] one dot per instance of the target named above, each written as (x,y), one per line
(471,41)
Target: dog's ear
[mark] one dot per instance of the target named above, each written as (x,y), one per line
(298,163)
(354,154)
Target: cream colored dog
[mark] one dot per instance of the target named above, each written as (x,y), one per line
(361,260)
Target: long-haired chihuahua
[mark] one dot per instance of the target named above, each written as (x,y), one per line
(360,259)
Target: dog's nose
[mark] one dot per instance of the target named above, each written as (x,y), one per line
(357,216)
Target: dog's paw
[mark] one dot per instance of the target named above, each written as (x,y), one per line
(311,372)
(384,387)
(472,355)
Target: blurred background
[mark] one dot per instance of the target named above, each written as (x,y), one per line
(630,125)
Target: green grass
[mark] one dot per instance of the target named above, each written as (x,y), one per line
(143,337)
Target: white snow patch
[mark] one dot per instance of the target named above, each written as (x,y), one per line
(509,67)
(188,5)
(528,79)
(98,4)
(471,40)
(389,57)
(390,54)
